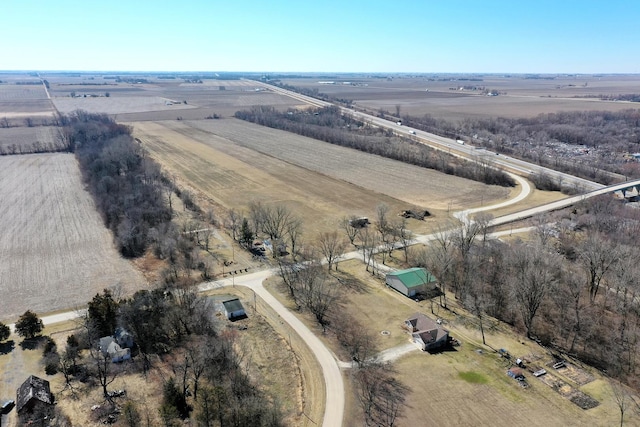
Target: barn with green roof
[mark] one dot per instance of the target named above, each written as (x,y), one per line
(411,281)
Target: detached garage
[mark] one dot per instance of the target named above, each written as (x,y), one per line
(233,309)
(410,281)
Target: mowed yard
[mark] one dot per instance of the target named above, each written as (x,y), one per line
(55,251)
(454,388)
(234,163)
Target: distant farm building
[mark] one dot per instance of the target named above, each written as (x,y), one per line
(233,309)
(428,334)
(411,281)
(34,395)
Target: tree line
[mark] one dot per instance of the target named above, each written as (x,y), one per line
(330,125)
(126,185)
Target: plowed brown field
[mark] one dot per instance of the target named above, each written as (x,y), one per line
(234,163)
(55,251)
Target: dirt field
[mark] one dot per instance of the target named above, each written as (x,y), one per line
(56,252)
(150,101)
(440,95)
(13,92)
(234,163)
(27,136)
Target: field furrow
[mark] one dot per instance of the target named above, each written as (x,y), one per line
(54,249)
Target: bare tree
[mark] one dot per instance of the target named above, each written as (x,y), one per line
(381,396)
(597,255)
(288,272)
(476,302)
(369,245)
(331,246)
(402,235)
(622,398)
(534,271)
(357,340)
(441,262)
(349,228)
(275,221)
(483,221)
(256,217)
(293,230)
(544,230)
(234,221)
(318,292)
(103,368)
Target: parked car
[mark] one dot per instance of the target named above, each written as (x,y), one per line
(539,372)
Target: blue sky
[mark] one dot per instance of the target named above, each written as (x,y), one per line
(516,36)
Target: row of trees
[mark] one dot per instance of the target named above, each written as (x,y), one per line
(330,125)
(126,185)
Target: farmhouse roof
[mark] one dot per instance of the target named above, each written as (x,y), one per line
(413,277)
(233,305)
(33,388)
(426,328)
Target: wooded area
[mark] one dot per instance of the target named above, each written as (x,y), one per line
(581,143)
(572,287)
(171,328)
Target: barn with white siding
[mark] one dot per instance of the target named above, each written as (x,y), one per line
(411,281)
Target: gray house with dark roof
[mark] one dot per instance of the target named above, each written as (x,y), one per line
(34,393)
(428,334)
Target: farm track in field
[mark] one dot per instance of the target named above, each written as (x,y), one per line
(55,251)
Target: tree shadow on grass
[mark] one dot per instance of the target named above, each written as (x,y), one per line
(7,346)
(350,283)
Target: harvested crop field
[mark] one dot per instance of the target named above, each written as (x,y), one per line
(456,98)
(234,162)
(55,251)
(25,137)
(22,92)
(117,105)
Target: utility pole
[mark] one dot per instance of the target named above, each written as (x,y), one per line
(255,307)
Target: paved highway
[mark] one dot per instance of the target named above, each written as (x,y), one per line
(451,146)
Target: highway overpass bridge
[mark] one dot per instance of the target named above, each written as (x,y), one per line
(627,189)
